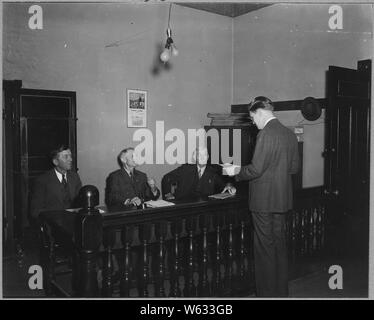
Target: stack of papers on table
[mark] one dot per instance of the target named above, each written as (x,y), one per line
(159,203)
(221,195)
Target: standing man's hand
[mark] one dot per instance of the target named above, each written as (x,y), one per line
(230,169)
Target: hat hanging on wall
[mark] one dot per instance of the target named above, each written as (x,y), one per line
(310,109)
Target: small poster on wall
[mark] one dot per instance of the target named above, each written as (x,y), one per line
(136,108)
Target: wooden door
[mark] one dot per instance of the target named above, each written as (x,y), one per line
(35,121)
(347,154)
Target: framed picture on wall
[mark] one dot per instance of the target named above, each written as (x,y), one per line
(136,108)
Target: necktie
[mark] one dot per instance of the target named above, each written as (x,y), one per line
(200,173)
(65,192)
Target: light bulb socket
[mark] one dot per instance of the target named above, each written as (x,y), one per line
(169,41)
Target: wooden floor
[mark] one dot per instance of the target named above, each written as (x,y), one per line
(315,284)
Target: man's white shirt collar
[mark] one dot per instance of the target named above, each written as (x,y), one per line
(128,171)
(269,120)
(202,169)
(59,176)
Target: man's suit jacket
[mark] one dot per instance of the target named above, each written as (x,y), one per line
(274,160)
(120,187)
(188,183)
(48,192)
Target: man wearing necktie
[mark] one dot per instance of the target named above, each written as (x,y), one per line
(58,188)
(274,161)
(128,186)
(195,180)
(65,188)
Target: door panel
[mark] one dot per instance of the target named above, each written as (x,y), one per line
(348,149)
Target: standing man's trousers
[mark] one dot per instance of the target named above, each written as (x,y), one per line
(270,254)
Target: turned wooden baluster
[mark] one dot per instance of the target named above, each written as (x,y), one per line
(314,242)
(323,230)
(153,252)
(302,233)
(161,232)
(203,286)
(229,257)
(216,279)
(307,233)
(189,268)
(293,236)
(313,231)
(319,228)
(250,255)
(242,274)
(176,228)
(310,231)
(144,235)
(125,281)
(107,273)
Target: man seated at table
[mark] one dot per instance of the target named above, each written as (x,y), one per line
(128,187)
(58,188)
(194,180)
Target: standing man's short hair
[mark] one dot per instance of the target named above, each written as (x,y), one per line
(260,102)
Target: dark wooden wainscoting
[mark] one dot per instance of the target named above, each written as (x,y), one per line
(194,249)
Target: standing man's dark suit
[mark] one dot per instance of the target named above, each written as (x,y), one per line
(275,159)
(120,187)
(48,192)
(188,183)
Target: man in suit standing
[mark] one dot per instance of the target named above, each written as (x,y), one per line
(127,187)
(194,180)
(58,188)
(275,159)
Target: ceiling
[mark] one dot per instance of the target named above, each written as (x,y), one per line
(226,9)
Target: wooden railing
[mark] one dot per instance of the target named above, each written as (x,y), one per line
(307,225)
(193,249)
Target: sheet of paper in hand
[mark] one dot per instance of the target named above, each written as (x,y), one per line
(229,169)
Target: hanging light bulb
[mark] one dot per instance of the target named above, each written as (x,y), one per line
(170,48)
(165,55)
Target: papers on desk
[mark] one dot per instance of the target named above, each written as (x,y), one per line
(158,203)
(224,195)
